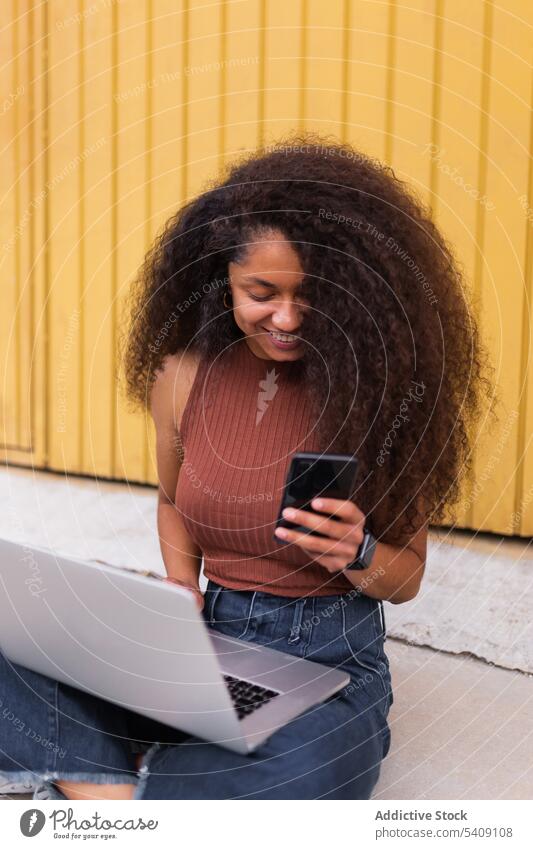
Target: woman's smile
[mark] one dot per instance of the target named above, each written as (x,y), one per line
(283,341)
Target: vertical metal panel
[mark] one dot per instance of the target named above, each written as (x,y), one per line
(11,228)
(203,58)
(522,519)
(22,338)
(167,118)
(367,73)
(453,150)
(282,68)
(132,23)
(504,247)
(21,235)
(38,379)
(97,381)
(324,67)
(413,93)
(167,128)
(241,72)
(64,203)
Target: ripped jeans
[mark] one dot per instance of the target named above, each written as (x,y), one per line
(51,732)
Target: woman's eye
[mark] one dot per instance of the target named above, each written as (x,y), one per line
(257,298)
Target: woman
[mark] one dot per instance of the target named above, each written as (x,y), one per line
(304,302)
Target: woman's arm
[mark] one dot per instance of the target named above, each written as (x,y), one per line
(181,556)
(396,572)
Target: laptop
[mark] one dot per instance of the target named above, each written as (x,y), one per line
(138,641)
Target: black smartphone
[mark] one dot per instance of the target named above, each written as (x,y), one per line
(312,475)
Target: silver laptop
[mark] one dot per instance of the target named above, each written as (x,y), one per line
(141,642)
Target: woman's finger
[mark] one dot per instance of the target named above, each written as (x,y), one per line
(328,527)
(332,564)
(345,510)
(319,545)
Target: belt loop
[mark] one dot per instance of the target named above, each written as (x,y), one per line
(213,602)
(382,616)
(297,621)
(250,611)
(310,623)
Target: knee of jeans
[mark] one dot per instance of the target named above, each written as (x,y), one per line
(48,790)
(17,782)
(44,784)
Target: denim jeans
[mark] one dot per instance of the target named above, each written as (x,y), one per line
(50,731)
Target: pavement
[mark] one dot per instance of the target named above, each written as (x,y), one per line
(462,727)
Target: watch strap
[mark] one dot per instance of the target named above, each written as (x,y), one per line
(365,552)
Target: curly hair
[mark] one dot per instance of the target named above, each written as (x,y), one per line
(394,365)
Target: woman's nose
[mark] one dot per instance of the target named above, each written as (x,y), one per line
(287,318)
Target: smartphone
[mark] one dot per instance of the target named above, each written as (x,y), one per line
(311,475)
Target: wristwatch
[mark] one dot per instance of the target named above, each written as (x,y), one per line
(365,552)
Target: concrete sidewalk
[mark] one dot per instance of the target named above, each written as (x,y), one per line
(461,727)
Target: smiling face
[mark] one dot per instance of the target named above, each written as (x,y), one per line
(268,305)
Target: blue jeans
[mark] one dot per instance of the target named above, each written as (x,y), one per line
(51,732)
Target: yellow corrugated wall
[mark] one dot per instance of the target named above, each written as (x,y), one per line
(117,111)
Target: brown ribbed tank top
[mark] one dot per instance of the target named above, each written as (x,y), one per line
(243,420)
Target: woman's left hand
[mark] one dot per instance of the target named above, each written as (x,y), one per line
(340,543)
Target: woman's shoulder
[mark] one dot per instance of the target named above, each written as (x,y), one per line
(174,381)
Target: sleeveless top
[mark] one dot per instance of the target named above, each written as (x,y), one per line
(244,418)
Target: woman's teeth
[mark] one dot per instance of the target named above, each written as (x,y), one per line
(283,337)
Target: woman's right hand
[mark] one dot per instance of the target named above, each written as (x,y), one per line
(194,589)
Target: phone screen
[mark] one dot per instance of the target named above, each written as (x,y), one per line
(311,475)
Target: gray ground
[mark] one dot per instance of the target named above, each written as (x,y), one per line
(462,728)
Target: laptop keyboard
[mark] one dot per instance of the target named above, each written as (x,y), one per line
(247,697)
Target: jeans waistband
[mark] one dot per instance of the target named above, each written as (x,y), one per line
(246,609)
(343,630)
